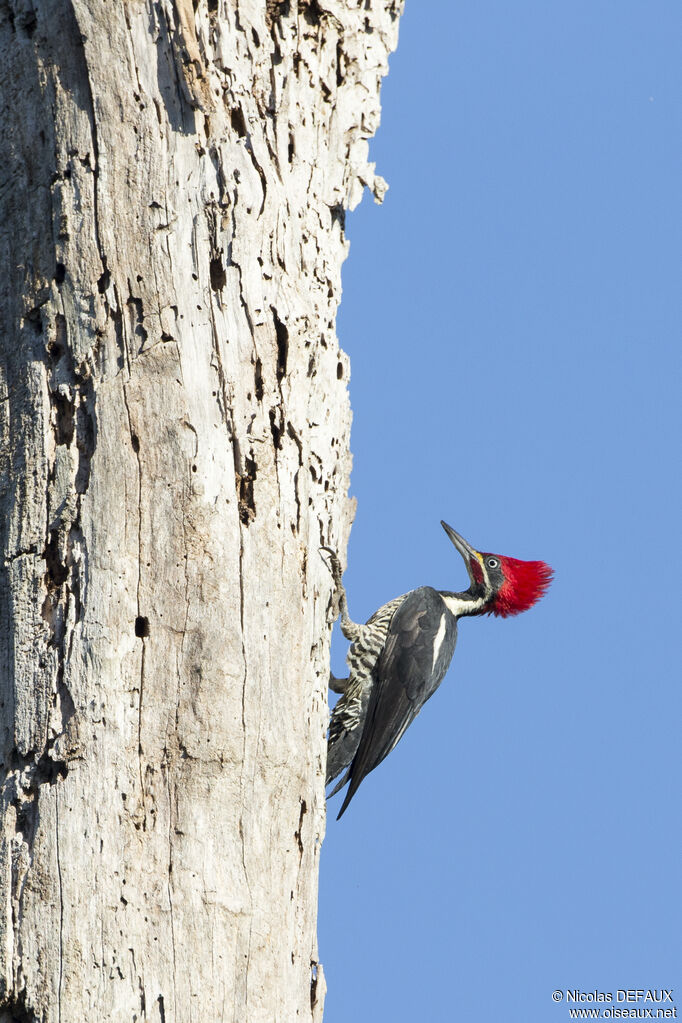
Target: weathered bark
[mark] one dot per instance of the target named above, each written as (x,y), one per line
(175,448)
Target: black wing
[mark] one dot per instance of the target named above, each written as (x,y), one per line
(407,674)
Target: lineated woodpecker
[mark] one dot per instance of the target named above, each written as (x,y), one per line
(399,657)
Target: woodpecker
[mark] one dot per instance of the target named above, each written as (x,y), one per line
(399,657)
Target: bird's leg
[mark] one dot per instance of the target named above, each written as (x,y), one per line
(349,628)
(338,685)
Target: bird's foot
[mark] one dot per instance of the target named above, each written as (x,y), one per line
(350,629)
(334,565)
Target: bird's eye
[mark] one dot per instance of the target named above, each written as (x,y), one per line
(492,562)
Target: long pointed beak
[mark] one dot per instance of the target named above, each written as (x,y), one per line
(468,553)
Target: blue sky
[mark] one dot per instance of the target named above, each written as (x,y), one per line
(513,318)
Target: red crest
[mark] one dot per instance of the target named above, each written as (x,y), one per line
(524,583)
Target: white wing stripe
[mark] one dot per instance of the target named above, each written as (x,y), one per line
(438,641)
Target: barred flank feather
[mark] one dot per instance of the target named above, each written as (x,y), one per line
(345,727)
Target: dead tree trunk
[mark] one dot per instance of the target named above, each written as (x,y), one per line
(174,449)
